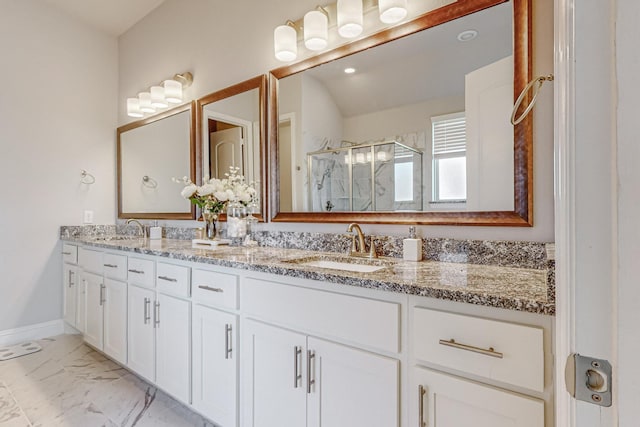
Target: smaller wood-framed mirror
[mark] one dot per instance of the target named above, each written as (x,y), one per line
(150,152)
(232,131)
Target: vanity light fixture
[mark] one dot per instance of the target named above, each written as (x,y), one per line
(285,42)
(350,19)
(316,29)
(145,102)
(392,11)
(159,96)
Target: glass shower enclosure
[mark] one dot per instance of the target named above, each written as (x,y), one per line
(379,176)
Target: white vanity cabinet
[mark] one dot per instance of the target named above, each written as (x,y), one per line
(294,376)
(470,370)
(70,283)
(214,343)
(159,325)
(103,278)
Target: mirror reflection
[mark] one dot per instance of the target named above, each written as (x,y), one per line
(232,131)
(417,124)
(150,153)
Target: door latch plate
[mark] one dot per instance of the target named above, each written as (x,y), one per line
(589,379)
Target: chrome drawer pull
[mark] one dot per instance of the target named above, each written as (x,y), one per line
(156,314)
(421,393)
(66,253)
(311,357)
(168,279)
(209,288)
(487,352)
(102,298)
(110,265)
(297,375)
(131,270)
(147,305)
(227,341)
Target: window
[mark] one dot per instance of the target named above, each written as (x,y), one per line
(449,157)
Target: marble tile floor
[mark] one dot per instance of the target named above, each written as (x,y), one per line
(68,384)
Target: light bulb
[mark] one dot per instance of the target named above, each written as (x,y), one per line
(285,43)
(133,107)
(392,11)
(316,26)
(145,102)
(349,18)
(173,91)
(157,97)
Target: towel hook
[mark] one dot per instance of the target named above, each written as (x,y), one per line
(147,181)
(86,177)
(540,80)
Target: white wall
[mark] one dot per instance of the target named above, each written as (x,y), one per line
(58,110)
(222,44)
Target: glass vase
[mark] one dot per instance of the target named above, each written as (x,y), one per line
(211,225)
(236,220)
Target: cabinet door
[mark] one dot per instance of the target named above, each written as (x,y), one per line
(173,343)
(81,309)
(94,309)
(70,292)
(274,377)
(351,387)
(215,368)
(447,401)
(115,320)
(141,348)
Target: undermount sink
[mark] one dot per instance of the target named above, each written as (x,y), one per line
(357,265)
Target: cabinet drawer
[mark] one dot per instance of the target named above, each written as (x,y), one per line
(115,266)
(173,279)
(213,288)
(359,320)
(140,272)
(69,253)
(90,260)
(499,351)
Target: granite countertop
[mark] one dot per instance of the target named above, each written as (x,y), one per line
(521,289)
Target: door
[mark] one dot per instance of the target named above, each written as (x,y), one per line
(227,149)
(440,400)
(94,309)
(115,320)
(351,387)
(81,310)
(590,258)
(173,343)
(141,346)
(215,367)
(274,377)
(70,292)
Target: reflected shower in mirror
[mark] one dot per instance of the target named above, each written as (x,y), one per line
(150,153)
(417,124)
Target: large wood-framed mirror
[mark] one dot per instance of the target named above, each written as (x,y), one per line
(338,148)
(150,152)
(232,130)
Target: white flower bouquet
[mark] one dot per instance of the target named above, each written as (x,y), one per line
(214,194)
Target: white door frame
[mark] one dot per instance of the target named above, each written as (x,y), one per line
(584,323)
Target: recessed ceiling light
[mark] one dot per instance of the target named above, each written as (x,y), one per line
(467,35)
(350,70)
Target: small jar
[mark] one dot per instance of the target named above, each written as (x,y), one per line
(236,220)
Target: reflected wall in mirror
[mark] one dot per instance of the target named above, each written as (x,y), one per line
(231,132)
(418,131)
(150,153)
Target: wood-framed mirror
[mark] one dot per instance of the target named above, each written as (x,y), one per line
(395,175)
(232,129)
(150,152)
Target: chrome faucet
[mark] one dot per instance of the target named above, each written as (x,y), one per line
(360,249)
(143,231)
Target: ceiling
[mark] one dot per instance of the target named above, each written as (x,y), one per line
(428,65)
(113,17)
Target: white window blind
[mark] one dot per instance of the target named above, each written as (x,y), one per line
(449,134)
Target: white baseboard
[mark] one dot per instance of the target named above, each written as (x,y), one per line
(31,332)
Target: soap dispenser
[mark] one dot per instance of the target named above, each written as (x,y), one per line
(155,232)
(412,247)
